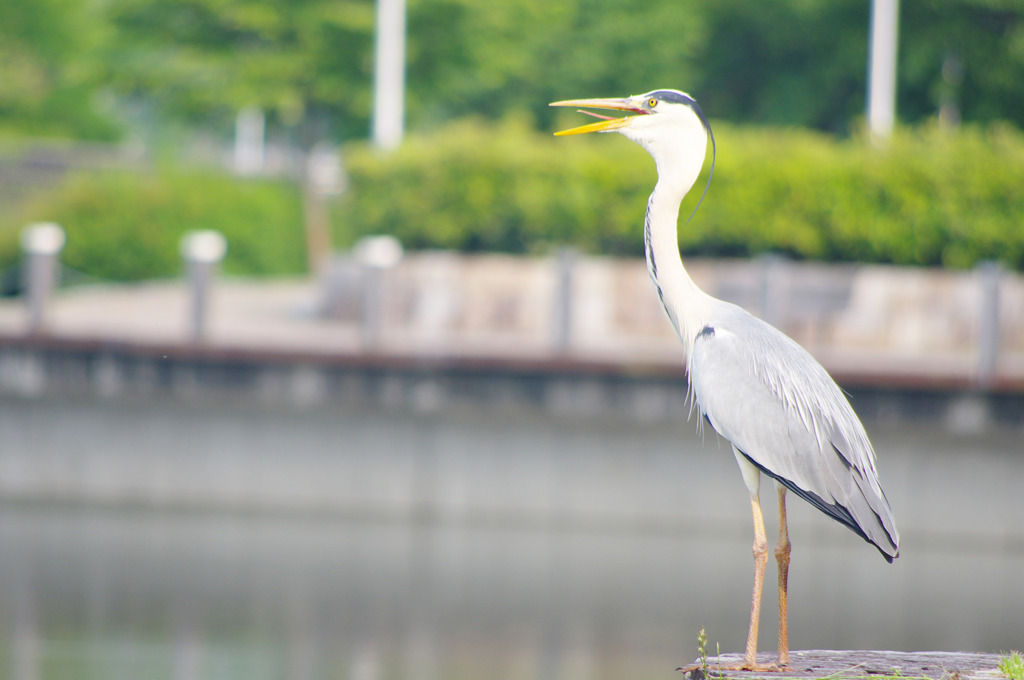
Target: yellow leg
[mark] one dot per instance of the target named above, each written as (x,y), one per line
(751,477)
(760,561)
(782,550)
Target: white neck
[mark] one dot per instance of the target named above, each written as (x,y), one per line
(685,303)
(677,140)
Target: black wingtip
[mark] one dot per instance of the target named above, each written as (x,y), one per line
(836,511)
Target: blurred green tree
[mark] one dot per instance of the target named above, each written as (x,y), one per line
(304,62)
(49,69)
(790,62)
(309,63)
(477,58)
(965,58)
(785,63)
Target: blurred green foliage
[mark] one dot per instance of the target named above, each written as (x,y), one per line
(787,62)
(473,187)
(931,197)
(49,69)
(475,174)
(128,226)
(309,63)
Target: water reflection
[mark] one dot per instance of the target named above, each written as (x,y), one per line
(462,545)
(94,594)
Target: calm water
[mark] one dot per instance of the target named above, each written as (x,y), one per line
(93,593)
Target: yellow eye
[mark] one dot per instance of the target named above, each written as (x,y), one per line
(652,102)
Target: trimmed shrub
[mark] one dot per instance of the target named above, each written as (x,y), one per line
(127,226)
(473,188)
(930,197)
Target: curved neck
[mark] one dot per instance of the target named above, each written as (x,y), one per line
(685,303)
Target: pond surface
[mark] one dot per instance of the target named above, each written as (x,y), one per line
(610,571)
(90,594)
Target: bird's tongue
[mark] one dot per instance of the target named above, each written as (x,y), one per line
(597,115)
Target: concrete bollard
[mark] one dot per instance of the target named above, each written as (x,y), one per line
(561,328)
(41,243)
(989,275)
(375,255)
(202,252)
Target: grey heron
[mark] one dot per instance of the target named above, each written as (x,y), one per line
(778,407)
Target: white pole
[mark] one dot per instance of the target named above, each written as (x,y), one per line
(250,126)
(882,69)
(389,79)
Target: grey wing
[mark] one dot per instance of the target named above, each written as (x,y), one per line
(782,411)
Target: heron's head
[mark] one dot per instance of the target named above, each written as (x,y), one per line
(669,124)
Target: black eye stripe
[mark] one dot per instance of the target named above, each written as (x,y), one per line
(673,97)
(677,97)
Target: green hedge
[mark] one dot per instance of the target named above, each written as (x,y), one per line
(930,197)
(473,187)
(128,226)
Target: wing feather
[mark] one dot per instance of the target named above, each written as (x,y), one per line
(779,407)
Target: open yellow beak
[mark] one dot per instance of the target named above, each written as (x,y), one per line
(607,123)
